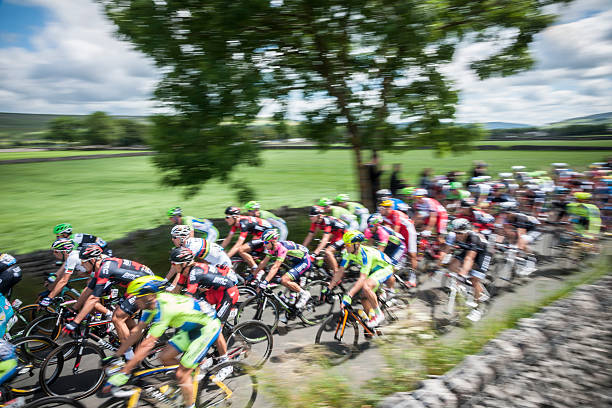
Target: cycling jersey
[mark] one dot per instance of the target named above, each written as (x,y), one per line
(373,263)
(115,271)
(8,361)
(345,216)
(203,226)
(429,205)
(392,242)
(10,274)
(520,220)
(276,222)
(473,242)
(267,215)
(250,225)
(329,225)
(82,240)
(73,263)
(198,327)
(295,255)
(361,212)
(222,290)
(479,219)
(6,313)
(586,217)
(406,230)
(209,252)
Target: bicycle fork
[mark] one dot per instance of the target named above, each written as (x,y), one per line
(341,323)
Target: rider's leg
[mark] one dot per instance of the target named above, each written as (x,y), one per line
(330,258)
(288,282)
(244,252)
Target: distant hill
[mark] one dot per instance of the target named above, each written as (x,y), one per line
(598,118)
(504,125)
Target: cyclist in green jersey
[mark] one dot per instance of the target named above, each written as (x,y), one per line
(197,329)
(375,269)
(202,226)
(340,213)
(584,216)
(253,208)
(357,209)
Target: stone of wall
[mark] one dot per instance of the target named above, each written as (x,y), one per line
(561,357)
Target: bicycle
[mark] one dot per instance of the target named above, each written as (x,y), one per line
(157,388)
(48,402)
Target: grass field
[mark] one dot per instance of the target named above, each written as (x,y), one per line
(58,153)
(506,143)
(110,197)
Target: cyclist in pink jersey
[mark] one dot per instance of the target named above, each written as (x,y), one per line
(403,225)
(434,214)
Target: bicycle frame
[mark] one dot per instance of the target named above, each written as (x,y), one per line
(349,311)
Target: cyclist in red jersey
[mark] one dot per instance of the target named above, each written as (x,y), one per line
(434,214)
(331,241)
(480,220)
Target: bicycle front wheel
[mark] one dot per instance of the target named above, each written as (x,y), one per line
(237,389)
(54,402)
(80,372)
(31,352)
(250,342)
(337,343)
(260,308)
(26,314)
(47,326)
(316,309)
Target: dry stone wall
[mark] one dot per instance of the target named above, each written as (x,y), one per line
(561,357)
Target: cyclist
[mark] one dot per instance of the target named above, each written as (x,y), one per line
(8,367)
(481,220)
(64,230)
(471,262)
(296,256)
(107,272)
(246,225)
(357,209)
(10,274)
(433,213)
(209,252)
(203,226)
(340,213)
(331,241)
(253,208)
(220,289)
(403,225)
(375,268)
(197,329)
(64,250)
(584,216)
(384,194)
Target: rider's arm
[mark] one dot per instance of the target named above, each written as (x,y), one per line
(337,277)
(274,269)
(87,307)
(433,217)
(171,273)
(236,246)
(322,244)
(262,264)
(308,239)
(468,262)
(142,351)
(60,283)
(227,239)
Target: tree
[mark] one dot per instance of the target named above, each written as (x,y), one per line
(99,129)
(374,63)
(65,129)
(131,132)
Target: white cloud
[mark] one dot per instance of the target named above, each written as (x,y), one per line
(76,65)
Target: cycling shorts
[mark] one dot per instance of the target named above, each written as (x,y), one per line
(128,305)
(223,299)
(8,368)
(380,275)
(299,268)
(194,344)
(337,245)
(481,265)
(256,245)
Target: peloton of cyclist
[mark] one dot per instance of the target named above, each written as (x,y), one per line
(253,208)
(202,226)
(388,241)
(433,214)
(295,255)
(584,217)
(375,269)
(341,213)
(64,230)
(197,329)
(333,229)
(64,250)
(355,208)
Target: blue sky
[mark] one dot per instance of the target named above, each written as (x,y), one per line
(60,56)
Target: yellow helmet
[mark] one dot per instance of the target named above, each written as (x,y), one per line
(146,285)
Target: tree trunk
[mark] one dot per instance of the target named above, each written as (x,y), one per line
(363,178)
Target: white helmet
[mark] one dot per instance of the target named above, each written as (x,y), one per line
(182,231)
(460,225)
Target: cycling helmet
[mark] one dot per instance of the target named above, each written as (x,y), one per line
(581,195)
(175,211)
(507,205)
(386,203)
(61,228)
(406,191)
(315,210)
(342,198)
(455,185)
(180,230)
(381,194)
(181,255)
(63,244)
(419,192)
(375,219)
(146,285)
(353,236)
(90,252)
(464,194)
(467,202)
(324,202)
(270,235)
(252,205)
(460,225)
(232,211)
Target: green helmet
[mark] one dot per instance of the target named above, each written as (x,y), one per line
(455,185)
(62,228)
(353,236)
(342,198)
(252,205)
(174,211)
(407,191)
(270,235)
(63,244)
(374,219)
(464,194)
(324,202)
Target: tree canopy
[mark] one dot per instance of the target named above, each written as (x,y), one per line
(366,65)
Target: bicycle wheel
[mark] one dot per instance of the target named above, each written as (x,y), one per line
(123,402)
(250,342)
(54,402)
(24,315)
(335,348)
(260,308)
(47,326)
(80,373)
(316,310)
(31,352)
(236,390)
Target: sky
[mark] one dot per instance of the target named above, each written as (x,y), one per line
(60,56)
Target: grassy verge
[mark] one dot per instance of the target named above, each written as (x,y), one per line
(43,154)
(409,360)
